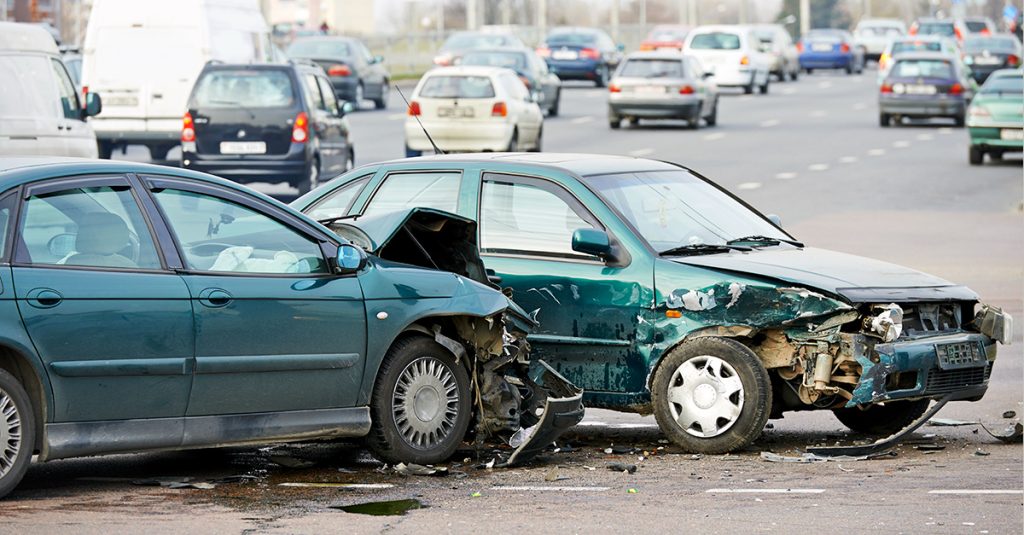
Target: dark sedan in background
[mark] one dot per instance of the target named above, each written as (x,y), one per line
(987,54)
(545,87)
(925,85)
(354,72)
(461,42)
(581,54)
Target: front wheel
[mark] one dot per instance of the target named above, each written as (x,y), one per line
(381,103)
(975,156)
(421,404)
(884,120)
(882,419)
(711,395)
(602,76)
(17,432)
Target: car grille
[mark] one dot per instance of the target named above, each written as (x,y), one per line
(946,381)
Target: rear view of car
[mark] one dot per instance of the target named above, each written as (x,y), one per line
(776,42)
(979,26)
(924,85)
(580,54)
(661,85)
(461,42)
(472,109)
(874,35)
(941,27)
(670,37)
(995,119)
(355,74)
(268,123)
(830,49)
(545,88)
(923,43)
(732,54)
(984,55)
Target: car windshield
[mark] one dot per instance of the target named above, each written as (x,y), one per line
(571,39)
(457,87)
(879,31)
(673,209)
(715,41)
(912,46)
(652,68)
(317,48)
(922,68)
(667,35)
(470,41)
(249,89)
(824,36)
(992,44)
(976,25)
(510,60)
(937,28)
(1013,85)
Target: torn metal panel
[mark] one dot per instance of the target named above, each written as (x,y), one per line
(883,443)
(753,305)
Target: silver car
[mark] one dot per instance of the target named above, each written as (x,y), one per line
(662,85)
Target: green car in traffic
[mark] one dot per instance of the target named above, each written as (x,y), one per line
(658,291)
(995,119)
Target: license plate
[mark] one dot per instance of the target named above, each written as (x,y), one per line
(960,355)
(243,147)
(821,47)
(454,111)
(987,60)
(1012,134)
(649,89)
(564,54)
(122,101)
(921,90)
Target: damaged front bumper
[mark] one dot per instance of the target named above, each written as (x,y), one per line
(562,409)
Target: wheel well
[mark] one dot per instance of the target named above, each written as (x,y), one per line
(16,364)
(741,333)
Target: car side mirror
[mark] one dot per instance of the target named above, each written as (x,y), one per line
(707,74)
(620,47)
(346,108)
(593,242)
(378,59)
(350,259)
(776,220)
(93,105)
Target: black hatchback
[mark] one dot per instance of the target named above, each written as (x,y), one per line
(266,123)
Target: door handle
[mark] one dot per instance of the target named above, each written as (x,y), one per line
(44,298)
(215,297)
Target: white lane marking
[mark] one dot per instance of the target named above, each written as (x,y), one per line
(713,137)
(945,130)
(859,106)
(976,491)
(582,120)
(785,176)
(339,485)
(396,116)
(617,426)
(824,85)
(770,123)
(789,91)
(748,185)
(764,491)
(848,159)
(925,137)
(594,423)
(876,152)
(530,488)
(819,113)
(744,98)
(818,167)
(901,144)
(641,152)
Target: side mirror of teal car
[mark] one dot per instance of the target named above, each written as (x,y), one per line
(593,242)
(350,258)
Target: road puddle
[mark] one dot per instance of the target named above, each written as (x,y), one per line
(387,508)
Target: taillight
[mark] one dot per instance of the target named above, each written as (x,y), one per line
(1012,60)
(85,92)
(414,109)
(499,110)
(526,82)
(844,48)
(543,51)
(443,60)
(645,46)
(188,130)
(886,87)
(686,90)
(800,46)
(745,60)
(339,70)
(300,129)
(956,89)
(590,53)
(614,88)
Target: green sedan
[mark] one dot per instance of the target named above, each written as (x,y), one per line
(995,119)
(658,291)
(144,308)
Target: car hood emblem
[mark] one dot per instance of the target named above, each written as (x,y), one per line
(241,134)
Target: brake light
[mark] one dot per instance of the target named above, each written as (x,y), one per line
(886,87)
(844,48)
(913,29)
(188,130)
(300,129)
(614,88)
(499,110)
(645,46)
(414,109)
(543,51)
(443,60)
(745,60)
(800,46)
(526,82)
(686,90)
(956,89)
(590,53)
(85,92)
(339,70)
(1012,60)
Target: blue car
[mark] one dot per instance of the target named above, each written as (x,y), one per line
(830,49)
(581,54)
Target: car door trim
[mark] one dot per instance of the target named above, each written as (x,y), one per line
(577,340)
(122,367)
(274,363)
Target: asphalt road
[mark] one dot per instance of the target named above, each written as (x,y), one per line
(811,152)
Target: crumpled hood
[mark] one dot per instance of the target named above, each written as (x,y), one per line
(855,278)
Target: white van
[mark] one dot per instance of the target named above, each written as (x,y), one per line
(143,56)
(733,53)
(40,110)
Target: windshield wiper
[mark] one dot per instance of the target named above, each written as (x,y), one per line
(702,248)
(765,240)
(329,220)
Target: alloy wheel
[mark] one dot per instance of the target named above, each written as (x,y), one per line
(10,433)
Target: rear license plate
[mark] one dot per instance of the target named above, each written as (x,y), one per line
(987,60)
(649,89)
(921,90)
(821,47)
(121,101)
(1012,134)
(564,54)
(455,111)
(243,147)
(960,355)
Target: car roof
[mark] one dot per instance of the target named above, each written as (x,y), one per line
(325,38)
(465,70)
(656,54)
(730,28)
(933,20)
(926,37)
(573,29)
(921,54)
(16,36)
(290,64)
(577,163)
(1007,73)
(501,49)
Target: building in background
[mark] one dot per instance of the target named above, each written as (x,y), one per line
(349,17)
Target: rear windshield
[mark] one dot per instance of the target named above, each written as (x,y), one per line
(320,49)
(249,89)
(825,37)
(667,34)
(976,25)
(879,31)
(457,87)
(912,46)
(1013,85)
(715,41)
(652,68)
(509,60)
(923,68)
(469,41)
(579,39)
(937,28)
(994,44)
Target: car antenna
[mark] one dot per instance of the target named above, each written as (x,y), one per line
(407,105)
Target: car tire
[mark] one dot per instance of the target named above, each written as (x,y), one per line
(749,88)
(540,141)
(975,156)
(104,149)
(312,178)
(381,103)
(553,111)
(350,161)
(693,121)
(158,153)
(17,432)
(795,75)
(809,71)
(849,68)
(960,120)
(712,118)
(406,427)
(884,120)
(882,419)
(763,89)
(513,142)
(695,374)
(615,123)
(602,76)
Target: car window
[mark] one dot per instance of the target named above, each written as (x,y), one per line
(927,68)
(426,189)
(572,39)
(321,49)
(1008,84)
(909,46)
(337,202)
(244,88)
(457,87)
(28,88)
(310,86)
(6,209)
(509,60)
(715,41)
(97,226)
(514,87)
(222,236)
(68,94)
(936,28)
(653,68)
(527,218)
(330,100)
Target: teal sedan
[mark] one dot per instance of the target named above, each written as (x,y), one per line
(995,120)
(145,308)
(658,291)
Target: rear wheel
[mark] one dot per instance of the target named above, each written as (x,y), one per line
(158,153)
(975,156)
(105,149)
(381,103)
(795,74)
(764,87)
(960,120)
(693,121)
(17,432)
(614,122)
(749,88)
(312,178)
(540,140)
(882,419)
(712,119)
(553,111)
(421,404)
(884,120)
(809,70)
(602,76)
(513,144)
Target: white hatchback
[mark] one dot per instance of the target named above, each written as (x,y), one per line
(472,109)
(732,52)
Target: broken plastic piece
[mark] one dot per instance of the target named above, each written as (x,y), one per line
(413,469)
(882,444)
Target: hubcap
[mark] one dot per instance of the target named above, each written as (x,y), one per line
(426,402)
(705,396)
(10,433)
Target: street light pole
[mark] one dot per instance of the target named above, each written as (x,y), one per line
(471,14)
(805,16)
(542,17)
(615,20)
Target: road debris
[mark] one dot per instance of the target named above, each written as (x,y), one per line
(882,444)
(981,453)
(553,475)
(929,447)
(353,486)
(622,467)
(174,483)
(413,469)
(808,458)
